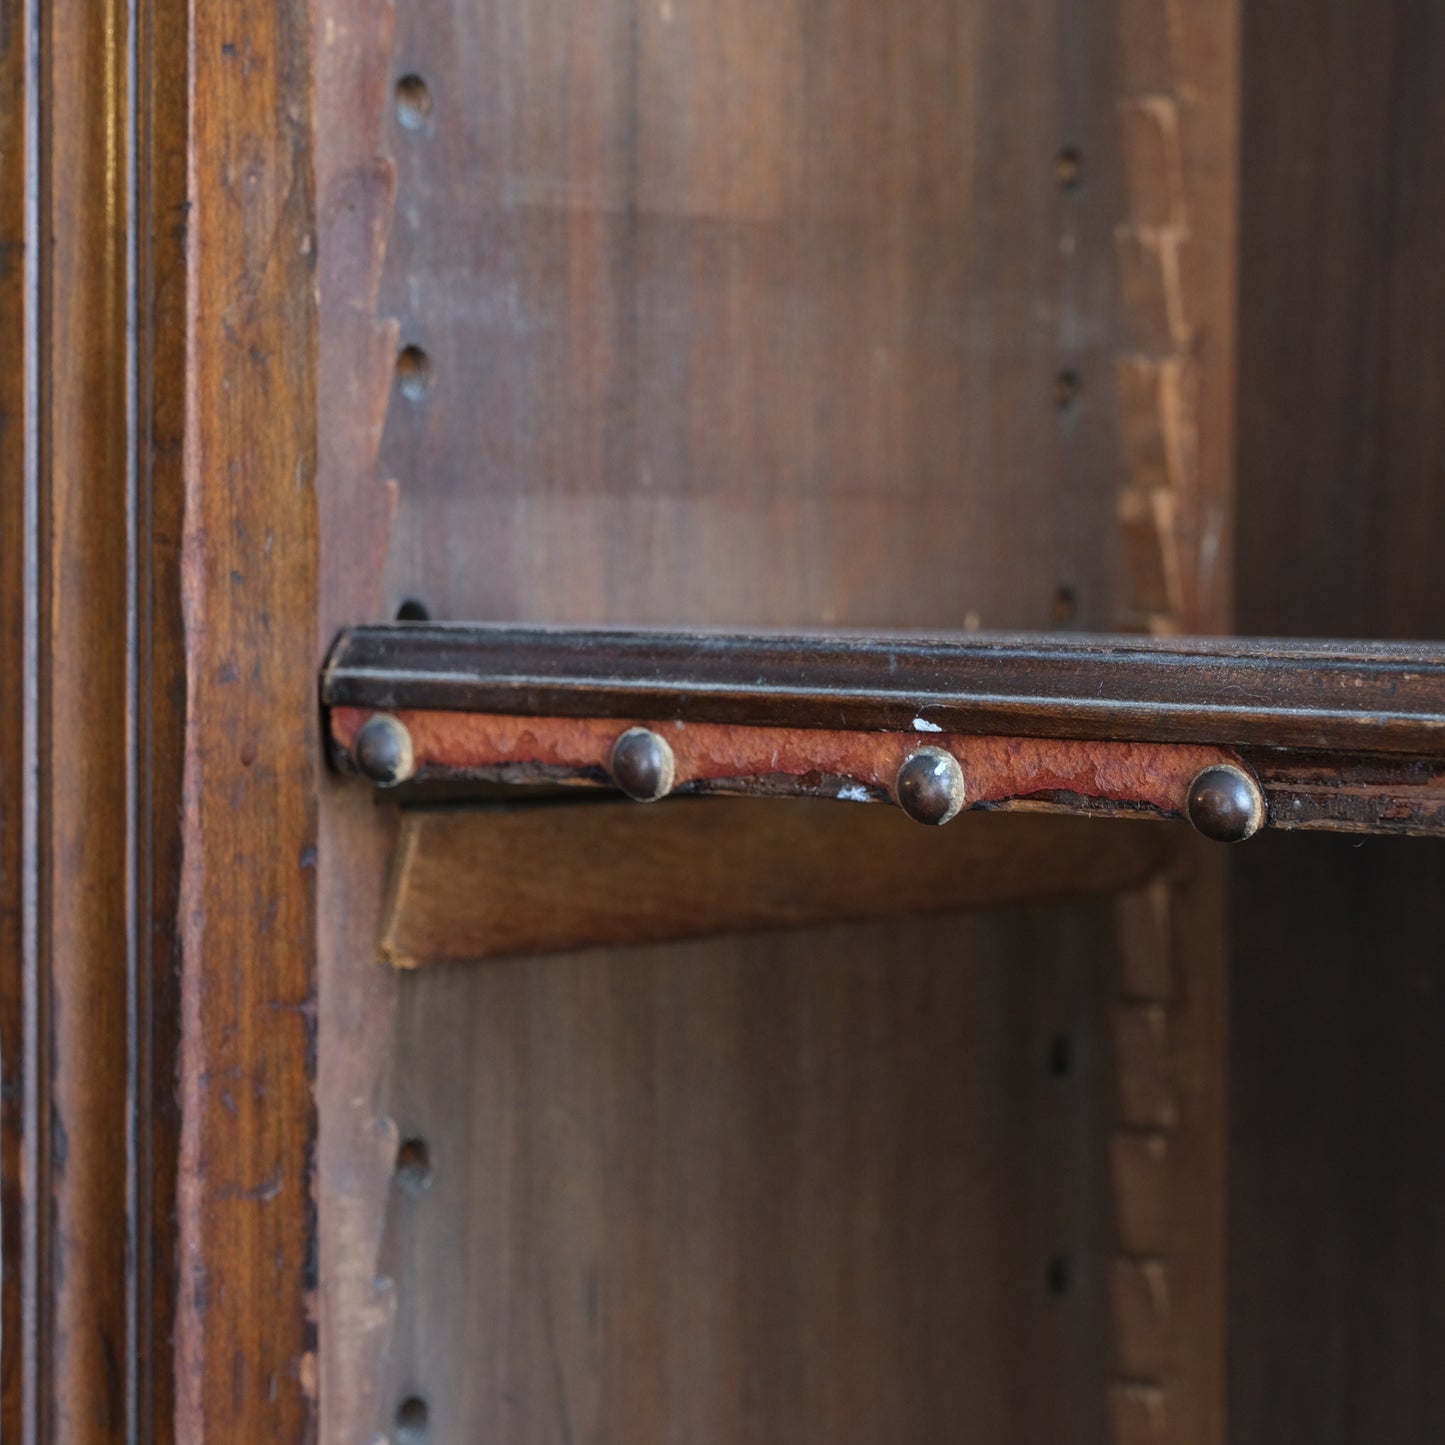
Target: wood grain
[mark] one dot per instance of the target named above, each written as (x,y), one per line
(1336,1216)
(90,429)
(357,346)
(486,883)
(754,315)
(80,1052)
(155,405)
(810,1188)
(1177,103)
(1177,86)
(14,129)
(769,289)
(1336,1319)
(245,1345)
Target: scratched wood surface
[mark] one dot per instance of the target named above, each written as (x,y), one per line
(1336,1318)
(740,315)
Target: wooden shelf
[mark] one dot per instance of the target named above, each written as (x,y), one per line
(494,882)
(1234,735)
(1348,696)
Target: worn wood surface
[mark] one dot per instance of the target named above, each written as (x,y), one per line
(1364,697)
(460,756)
(1169,1026)
(245,1342)
(450,751)
(1339,982)
(481,883)
(1176,79)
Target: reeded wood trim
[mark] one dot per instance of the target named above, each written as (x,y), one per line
(16,1213)
(156,426)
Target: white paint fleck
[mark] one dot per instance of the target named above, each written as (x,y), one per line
(854,793)
(922,725)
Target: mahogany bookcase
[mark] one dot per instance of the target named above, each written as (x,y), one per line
(722,720)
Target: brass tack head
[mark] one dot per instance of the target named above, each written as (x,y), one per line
(1226,804)
(931,788)
(383,751)
(643,765)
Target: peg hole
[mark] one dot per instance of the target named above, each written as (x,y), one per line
(1059,1276)
(413,1421)
(1068,387)
(1061,1057)
(413,103)
(412,609)
(413,1167)
(413,373)
(1069,168)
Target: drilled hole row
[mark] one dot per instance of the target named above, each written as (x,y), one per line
(1068,383)
(413,113)
(413,1177)
(413,1174)
(1059,1268)
(414,374)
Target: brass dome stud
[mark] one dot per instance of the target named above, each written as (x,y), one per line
(930,787)
(1226,804)
(643,765)
(383,751)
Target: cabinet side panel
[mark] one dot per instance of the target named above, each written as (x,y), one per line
(1336,1320)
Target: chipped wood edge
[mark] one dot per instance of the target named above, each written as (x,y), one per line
(1178,129)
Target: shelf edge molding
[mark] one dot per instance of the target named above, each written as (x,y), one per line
(1233,735)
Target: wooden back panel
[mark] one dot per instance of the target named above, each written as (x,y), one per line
(753,314)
